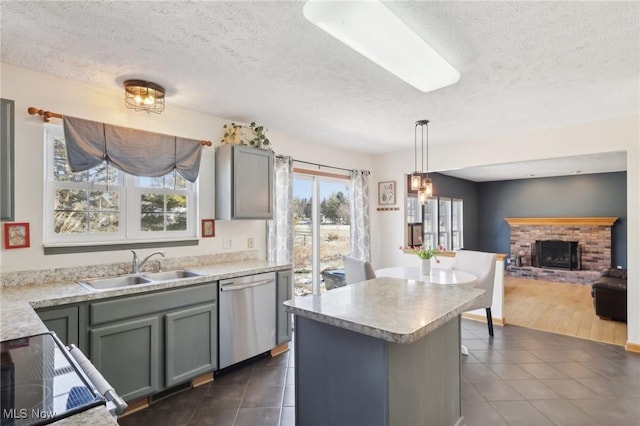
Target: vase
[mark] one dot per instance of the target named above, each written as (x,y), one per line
(518,261)
(425,267)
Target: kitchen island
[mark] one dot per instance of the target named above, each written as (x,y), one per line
(380,352)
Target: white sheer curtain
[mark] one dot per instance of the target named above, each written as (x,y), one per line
(281,227)
(360,237)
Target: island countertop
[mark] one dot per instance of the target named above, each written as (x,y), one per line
(391,309)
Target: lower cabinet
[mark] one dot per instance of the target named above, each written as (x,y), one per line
(143,344)
(191,343)
(68,322)
(127,356)
(284,286)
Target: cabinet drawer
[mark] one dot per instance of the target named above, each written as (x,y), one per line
(144,304)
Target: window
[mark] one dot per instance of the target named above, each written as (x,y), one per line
(443,223)
(322,229)
(104,204)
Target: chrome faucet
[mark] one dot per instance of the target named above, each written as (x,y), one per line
(137,265)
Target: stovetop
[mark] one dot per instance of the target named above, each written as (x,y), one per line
(41,383)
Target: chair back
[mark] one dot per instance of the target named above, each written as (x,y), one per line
(483,266)
(356,270)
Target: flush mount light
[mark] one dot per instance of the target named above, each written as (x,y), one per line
(372,30)
(144,96)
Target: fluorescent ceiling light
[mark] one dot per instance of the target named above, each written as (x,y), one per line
(372,30)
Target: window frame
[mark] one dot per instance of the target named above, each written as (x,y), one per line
(128,189)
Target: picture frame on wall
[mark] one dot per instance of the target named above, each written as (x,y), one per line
(386,193)
(208,228)
(16,235)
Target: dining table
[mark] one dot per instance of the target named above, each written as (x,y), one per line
(440,276)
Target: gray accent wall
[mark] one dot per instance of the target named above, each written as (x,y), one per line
(486,204)
(447,186)
(593,195)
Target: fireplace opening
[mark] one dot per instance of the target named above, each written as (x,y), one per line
(556,254)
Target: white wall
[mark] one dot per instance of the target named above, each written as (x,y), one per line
(615,134)
(32,89)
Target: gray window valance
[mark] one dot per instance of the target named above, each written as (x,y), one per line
(136,152)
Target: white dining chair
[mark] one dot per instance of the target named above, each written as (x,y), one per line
(356,270)
(483,266)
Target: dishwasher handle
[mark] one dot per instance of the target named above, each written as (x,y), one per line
(242,286)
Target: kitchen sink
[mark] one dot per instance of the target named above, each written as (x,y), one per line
(171,275)
(102,284)
(114,282)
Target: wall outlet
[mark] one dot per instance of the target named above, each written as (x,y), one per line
(226,243)
(508,260)
(250,242)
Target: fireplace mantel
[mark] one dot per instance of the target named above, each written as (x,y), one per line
(562,221)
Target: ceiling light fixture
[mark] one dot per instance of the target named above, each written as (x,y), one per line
(144,96)
(372,30)
(426,186)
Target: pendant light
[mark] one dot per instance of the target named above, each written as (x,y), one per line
(426,186)
(416,176)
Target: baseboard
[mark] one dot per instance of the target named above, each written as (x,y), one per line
(280,349)
(483,318)
(202,380)
(135,406)
(632,347)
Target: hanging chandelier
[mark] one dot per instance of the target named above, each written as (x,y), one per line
(425,189)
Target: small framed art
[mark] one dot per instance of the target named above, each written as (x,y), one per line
(208,228)
(387,193)
(16,235)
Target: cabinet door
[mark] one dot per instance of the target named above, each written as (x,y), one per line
(127,356)
(191,346)
(252,183)
(283,318)
(66,323)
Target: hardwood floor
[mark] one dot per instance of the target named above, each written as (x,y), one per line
(559,308)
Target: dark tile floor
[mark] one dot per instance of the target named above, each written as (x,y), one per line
(520,377)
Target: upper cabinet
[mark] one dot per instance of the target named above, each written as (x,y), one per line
(244,183)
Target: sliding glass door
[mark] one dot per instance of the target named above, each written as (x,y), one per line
(322,230)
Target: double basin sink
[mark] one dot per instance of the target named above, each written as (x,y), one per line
(101,284)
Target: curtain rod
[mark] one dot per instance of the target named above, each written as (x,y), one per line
(324,165)
(46,115)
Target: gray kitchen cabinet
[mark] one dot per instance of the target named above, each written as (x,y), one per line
(127,355)
(191,343)
(68,322)
(145,343)
(244,183)
(284,285)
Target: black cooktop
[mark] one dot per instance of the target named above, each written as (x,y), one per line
(41,383)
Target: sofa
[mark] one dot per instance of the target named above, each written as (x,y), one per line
(609,294)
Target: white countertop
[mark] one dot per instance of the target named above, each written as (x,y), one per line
(18,318)
(392,309)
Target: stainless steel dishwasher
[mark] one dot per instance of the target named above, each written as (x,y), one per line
(247,317)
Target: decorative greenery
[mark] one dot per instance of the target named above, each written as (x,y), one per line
(425,253)
(252,135)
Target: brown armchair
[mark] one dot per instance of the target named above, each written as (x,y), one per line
(609,294)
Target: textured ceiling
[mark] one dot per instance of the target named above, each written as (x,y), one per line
(524,65)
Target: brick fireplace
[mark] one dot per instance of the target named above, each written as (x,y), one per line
(593,235)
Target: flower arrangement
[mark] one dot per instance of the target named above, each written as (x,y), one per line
(425,253)
(250,134)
